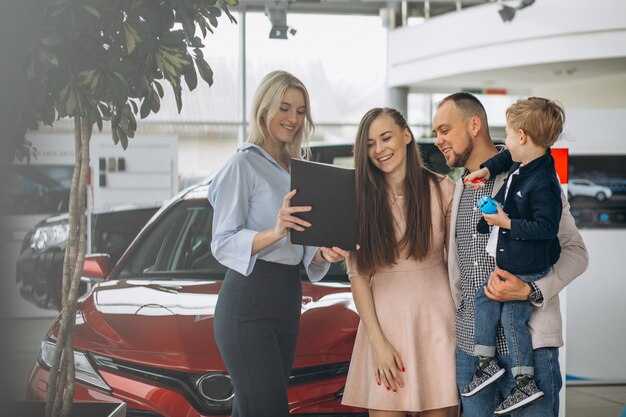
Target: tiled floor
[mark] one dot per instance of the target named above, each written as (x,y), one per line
(596,401)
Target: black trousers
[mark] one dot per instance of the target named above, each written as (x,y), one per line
(256,327)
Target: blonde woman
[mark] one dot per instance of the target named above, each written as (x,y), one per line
(258,309)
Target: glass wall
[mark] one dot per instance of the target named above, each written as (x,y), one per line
(340,58)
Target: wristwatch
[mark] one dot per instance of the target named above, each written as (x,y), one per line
(535,295)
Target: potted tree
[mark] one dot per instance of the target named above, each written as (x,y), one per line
(96,61)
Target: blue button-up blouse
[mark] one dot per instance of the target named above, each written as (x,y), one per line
(246,195)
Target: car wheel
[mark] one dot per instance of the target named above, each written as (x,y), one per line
(600,196)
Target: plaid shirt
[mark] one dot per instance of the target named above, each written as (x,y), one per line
(475,264)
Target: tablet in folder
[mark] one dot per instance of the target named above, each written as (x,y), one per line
(330,191)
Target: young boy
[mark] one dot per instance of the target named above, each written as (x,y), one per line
(523,240)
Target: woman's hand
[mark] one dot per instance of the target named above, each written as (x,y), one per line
(500,219)
(388,366)
(286,219)
(332,255)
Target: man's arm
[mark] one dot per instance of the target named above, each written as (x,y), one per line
(574,257)
(571,264)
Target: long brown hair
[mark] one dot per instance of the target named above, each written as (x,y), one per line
(375,231)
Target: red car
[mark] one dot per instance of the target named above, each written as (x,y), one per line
(145,335)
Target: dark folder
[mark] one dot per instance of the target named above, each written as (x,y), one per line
(330,191)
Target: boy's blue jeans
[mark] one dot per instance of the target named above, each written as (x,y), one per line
(514,316)
(548,377)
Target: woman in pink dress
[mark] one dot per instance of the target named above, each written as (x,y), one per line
(404,354)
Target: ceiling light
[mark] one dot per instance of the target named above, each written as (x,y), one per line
(507,13)
(277,13)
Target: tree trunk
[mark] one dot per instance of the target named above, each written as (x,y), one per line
(61,380)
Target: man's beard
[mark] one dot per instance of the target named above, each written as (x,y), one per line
(459,159)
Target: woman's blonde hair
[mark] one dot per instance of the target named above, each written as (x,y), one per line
(266,102)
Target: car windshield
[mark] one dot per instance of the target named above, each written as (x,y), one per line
(178,246)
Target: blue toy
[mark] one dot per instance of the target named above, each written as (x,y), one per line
(488,205)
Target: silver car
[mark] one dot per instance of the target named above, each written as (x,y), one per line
(586,188)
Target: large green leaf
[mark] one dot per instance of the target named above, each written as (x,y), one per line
(178,95)
(105,111)
(155,103)
(106,59)
(122,137)
(191,78)
(132,37)
(115,134)
(117,87)
(134,106)
(205,70)
(159,88)
(144,110)
(184,17)
(99,121)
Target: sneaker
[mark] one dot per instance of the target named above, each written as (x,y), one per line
(520,396)
(483,377)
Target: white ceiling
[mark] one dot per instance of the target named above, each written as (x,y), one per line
(368,7)
(514,79)
(518,79)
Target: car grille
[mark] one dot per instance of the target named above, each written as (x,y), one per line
(141,413)
(186,383)
(327,415)
(179,381)
(315,373)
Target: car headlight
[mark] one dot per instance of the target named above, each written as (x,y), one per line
(48,236)
(85,372)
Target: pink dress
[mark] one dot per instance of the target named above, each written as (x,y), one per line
(415,310)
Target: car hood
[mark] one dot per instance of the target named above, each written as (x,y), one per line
(172,321)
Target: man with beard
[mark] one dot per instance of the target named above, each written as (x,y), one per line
(462,135)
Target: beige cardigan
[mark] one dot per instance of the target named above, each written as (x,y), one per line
(545,323)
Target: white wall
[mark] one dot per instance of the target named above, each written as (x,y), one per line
(201,156)
(596,340)
(605,92)
(476,39)
(594,131)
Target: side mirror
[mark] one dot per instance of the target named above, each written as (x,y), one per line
(96,267)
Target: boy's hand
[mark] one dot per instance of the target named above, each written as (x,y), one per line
(477,179)
(500,219)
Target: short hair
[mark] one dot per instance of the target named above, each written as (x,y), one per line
(267,101)
(468,105)
(540,118)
